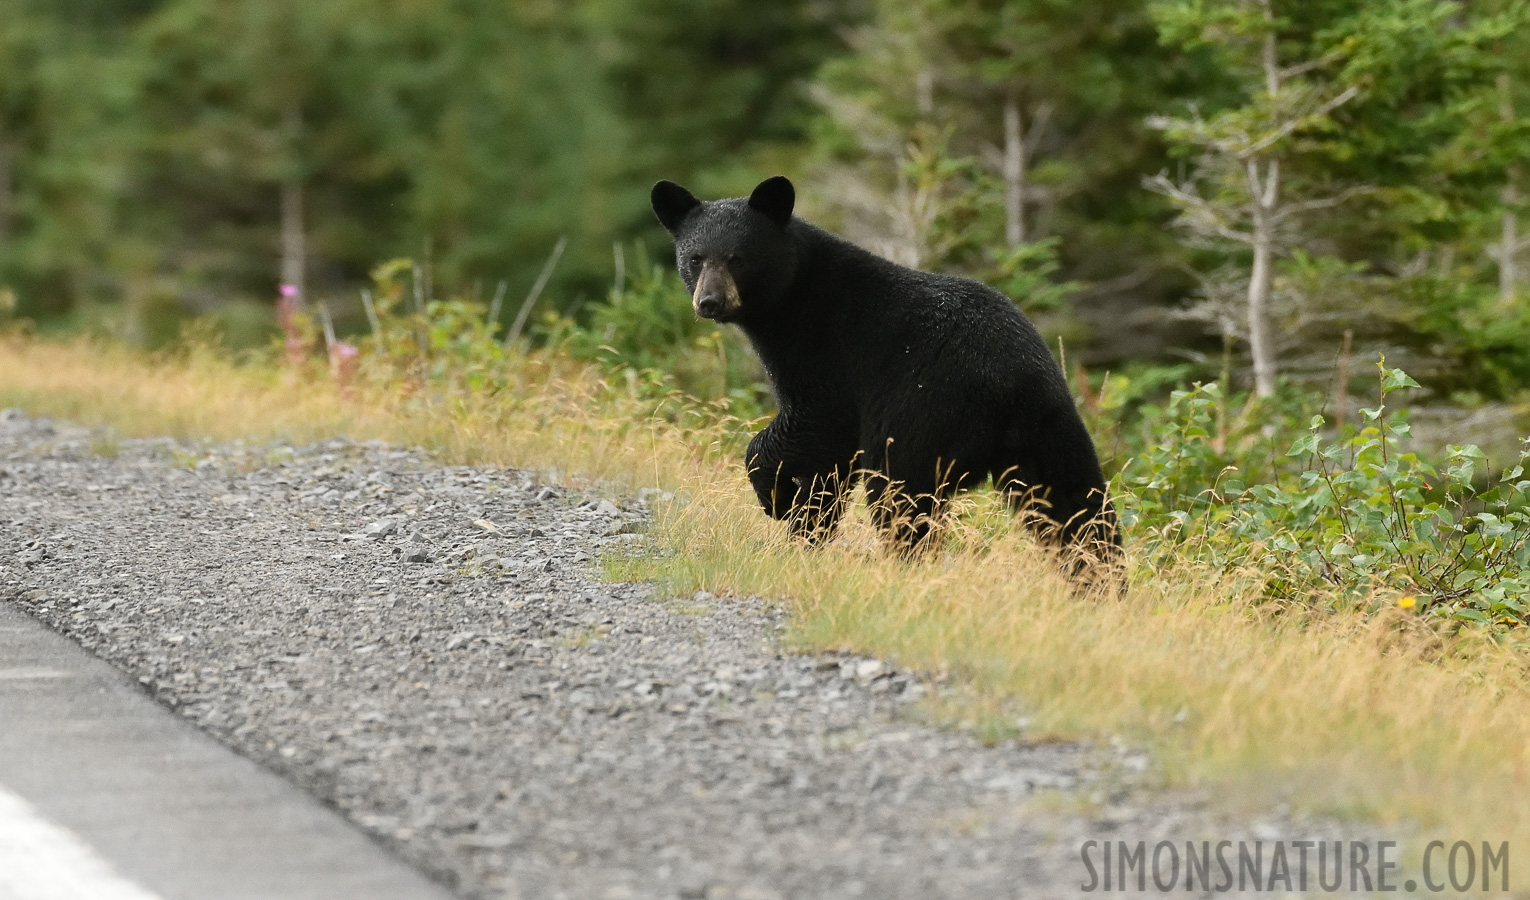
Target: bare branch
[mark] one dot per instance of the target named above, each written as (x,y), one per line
(1252,181)
(1309,65)
(1231,145)
(1267,52)
(1305,206)
(1264,189)
(1120,283)
(1200,212)
(1292,124)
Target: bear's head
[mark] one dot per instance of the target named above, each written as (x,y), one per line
(737,256)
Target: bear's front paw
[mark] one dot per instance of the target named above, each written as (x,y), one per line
(773,495)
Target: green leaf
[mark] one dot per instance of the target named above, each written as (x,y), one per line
(1394,379)
(1304,446)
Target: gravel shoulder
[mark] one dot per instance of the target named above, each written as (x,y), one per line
(429,649)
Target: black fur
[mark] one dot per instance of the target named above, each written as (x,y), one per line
(921,383)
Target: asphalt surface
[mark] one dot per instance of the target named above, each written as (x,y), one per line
(169,810)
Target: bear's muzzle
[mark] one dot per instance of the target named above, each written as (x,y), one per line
(716,295)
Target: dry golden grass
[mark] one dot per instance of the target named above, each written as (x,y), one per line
(554,415)
(1376,719)
(1373,718)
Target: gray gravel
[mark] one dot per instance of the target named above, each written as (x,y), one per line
(430,649)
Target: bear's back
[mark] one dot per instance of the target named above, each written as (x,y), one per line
(862,328)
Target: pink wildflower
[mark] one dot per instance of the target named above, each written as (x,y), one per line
(343,358)
(287,317)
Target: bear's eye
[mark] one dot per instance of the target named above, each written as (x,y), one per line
(695,263)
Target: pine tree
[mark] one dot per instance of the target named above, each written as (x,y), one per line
(1004,139)
(62,132)
(1336,99)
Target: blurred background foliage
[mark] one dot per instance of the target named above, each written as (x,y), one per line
(169,160)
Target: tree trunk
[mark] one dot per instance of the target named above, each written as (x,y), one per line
(1260,344)
(293,244)
(1264,191)
(1014,173)
(1264,196)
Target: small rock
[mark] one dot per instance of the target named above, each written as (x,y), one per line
(547,493)
(485,524)
(653,494)
(458,640)
(381,529)
(868,669)
(417,555)
(607,508)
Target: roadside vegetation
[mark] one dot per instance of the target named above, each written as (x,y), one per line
(1325,586)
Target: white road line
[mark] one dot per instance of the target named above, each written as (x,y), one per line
(30,674)
(43,861)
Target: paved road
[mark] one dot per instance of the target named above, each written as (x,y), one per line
(105,795)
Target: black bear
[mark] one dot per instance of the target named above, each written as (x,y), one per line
(920,383)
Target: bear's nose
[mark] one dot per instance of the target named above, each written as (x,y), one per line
(709,306)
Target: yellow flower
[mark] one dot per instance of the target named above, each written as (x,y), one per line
(1407,602)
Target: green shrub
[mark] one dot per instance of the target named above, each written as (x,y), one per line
(1350,516)
(648,329)
(432,340)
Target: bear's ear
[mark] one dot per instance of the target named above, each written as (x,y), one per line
(671,203)
(774,197)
